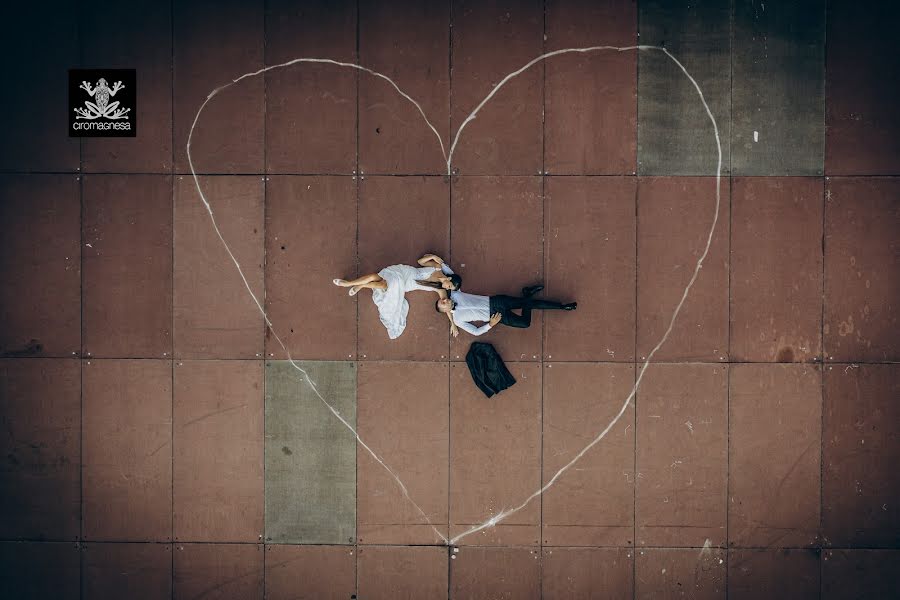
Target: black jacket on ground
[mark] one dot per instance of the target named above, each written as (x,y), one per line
(487,369)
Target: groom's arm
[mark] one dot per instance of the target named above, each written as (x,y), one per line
(474,330)
(453,329)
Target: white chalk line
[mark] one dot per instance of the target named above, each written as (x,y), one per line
(262,311)
(503,514)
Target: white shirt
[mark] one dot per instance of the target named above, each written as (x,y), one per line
(470,307)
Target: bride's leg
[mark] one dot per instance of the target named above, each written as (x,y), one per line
(358,281)
(374,285)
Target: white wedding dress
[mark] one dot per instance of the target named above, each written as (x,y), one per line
(392,305)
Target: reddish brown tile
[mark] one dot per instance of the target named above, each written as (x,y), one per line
(215,316)
(860,574)
(304,30)
(573,24)
(506,136)
(215,43)
(133,35)
(127,450)
(40,261)
(589,231)
(495,457)
(311,107)
(311,119)
(401,219)
(587,573)
(386,573)
(592,503)
(410,432)
(127,262)
(679,573)
(675,215)
(862,218)
(34,137)
(776,258)
(860,116)
(860,455)
(218,477)
(218,571)
(497,223)
(134,571)
(310,239)
(774,463)
(393,136)
(591,99)
(484,573)
(682,455)
(788,574)
(41,474)
(321,572)
(40,571)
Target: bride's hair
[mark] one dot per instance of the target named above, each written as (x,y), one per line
(455,279)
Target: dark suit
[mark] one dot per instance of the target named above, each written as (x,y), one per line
(506,304)
(487,369)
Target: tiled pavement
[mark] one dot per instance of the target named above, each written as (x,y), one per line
(157,444)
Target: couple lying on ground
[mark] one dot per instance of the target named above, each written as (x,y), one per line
(389,287)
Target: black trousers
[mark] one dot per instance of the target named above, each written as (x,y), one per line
(506,304)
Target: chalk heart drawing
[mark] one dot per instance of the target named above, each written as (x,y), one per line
(448,156)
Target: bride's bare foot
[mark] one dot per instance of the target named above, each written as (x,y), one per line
(354,290)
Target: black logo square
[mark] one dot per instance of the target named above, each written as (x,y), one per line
(102,103)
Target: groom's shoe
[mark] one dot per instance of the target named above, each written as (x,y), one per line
(531,290)
(570,306)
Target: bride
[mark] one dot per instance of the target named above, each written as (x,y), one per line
(389,287)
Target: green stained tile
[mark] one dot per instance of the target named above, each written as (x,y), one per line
(675,135)
(310,454)
(779,87)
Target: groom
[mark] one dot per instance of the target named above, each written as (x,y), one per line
(466,309)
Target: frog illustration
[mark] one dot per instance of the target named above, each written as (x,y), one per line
(102,108)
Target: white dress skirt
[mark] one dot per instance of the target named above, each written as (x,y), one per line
(392,305)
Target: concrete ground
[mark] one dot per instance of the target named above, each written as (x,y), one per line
(157,443)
